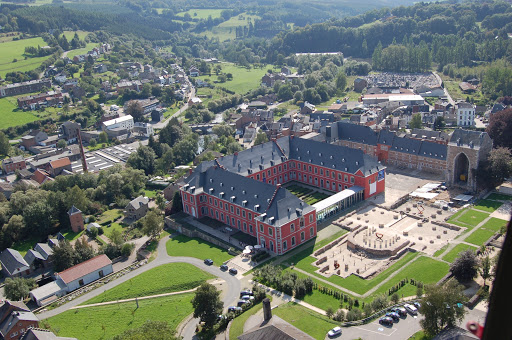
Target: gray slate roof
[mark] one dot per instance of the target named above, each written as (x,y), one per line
(42,334)
(74,210)
(275,329)
(13,319)
(468,138)
(31,256)
(357,133)
(248,193)
(11,260)
(136,203)
(44,249)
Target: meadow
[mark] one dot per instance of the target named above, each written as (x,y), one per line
(182,245)
(244,80)
(227,29)
(201,13)
(10,115)
(10,50)
(454,253)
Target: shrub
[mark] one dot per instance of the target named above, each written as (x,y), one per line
(354,314)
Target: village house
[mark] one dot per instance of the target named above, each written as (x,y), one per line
(137,208)
(16,319)
(13,264)
(10,165)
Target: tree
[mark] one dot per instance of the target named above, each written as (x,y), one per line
(152,224)
(134,109)
(61,144)
(4,144)
(415,122)
(440,307)
(496,168)
(92,143)
(15,228)
(395,298)
(439,123)
(500,128)
(485,268)
(116,237)
(155,330)
(223,130)
(261,138)
(143,159)
(465,266)
(103,137)
(177,204)
(127,249)
(63,256)
(18,288)
(207,304)
(83,251)
(160,201)
(329,312)
(341,81)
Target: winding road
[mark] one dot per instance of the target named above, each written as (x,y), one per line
(230,294)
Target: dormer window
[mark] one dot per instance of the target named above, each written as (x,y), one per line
(233,198)
(256,207)
(263,216)
(221,194)
(210,190)
(244,203)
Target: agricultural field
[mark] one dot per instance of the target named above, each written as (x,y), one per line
(226,30)
(10,115)
(11,50)
(167,278)
(454,253)
(105,322)
(202,13)
(182,245)
(306,320)
(244,80)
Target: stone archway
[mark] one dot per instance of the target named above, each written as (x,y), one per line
(461,169)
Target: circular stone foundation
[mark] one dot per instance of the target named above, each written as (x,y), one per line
(380,242)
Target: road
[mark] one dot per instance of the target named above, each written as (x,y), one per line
(163,123)
(230,296)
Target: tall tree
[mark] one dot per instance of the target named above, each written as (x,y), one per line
(18,288)
(152,224)
(143,159)
(134,109)
(63,256)
(415,122)
(465,266)
(440,307)
(83,251)
(485,268)
(4,144)
(341,81)
(207,304)
(500,128)
(261,138)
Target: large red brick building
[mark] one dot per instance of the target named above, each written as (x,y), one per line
(244,190)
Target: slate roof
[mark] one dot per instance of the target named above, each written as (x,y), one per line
(74,210)
(433,150)
(31,256)
(8,306)
(275,329)
(386,137)
(42,334)
(246,192)
(468,137)
(44,249)
(13,319)
(136,203)
(11,260)
(356,133)
(406,145)
(84,268)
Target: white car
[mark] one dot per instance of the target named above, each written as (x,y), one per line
(247,298)
(411,309)
(333,332)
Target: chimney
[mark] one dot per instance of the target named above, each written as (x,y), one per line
(267,311)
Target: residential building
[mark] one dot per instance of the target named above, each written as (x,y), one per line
(137,208)
(24,87)
(194,72)
(143,129)
(10,165)
(194,101)
(360,84)
(70,131)
(42,334)
(17,323)
(13,264)
(244,190)
(58,166)
(40,100)
(6,189)
(147,105)
(465,113)
(86,272)
(125,122)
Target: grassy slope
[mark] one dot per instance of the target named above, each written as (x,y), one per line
(185,246)
(167,278)
(227,29)
(84,50)
(202,13)
(104,322)
(9,117)
(454,253)
(244,80)
(15,49)
(237,327)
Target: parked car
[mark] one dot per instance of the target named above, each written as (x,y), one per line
(234,309)
(393,316)
(223,267)
(417,305)
(411,309)
(387,321)
(246,292)
(208,262)
(240,303)
(247,298)
(400,311)
(334,332)
(233,271)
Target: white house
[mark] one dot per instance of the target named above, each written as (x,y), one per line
(125,122)
(85,272)
(465,113)
(143,129)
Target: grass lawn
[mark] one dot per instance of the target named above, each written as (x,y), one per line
(424,269)
(237,326)
(25,245)
(420,336)
(70,34)
(109,215)
(208,94)
(499,197)
(227,30)
(10,50)
(321,300)
(494,224)
(10,115)
(83,50)
(454,253)
(151,193)
(113,226)
(440,251)
(70,235)
(105,322)
(202,13)
(326,241)
(306,320)
(244,80)
(472,218)
(182,245)
(487,205)
(167,278)
(478,237)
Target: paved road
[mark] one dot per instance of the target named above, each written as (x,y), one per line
(163,123)
(162,258)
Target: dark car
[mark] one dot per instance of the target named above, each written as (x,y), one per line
(240,303)
(233,271)
(400,311)
(246,292)
(393,316)
(386,321)
(234,309)
(208,262)
(224,267)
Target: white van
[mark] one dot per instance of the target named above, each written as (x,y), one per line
(411,309)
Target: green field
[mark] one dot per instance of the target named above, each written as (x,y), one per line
(109,215)
(499,197)
(151,193)
(468,218)
(440,251)
(182,245)
(478,237)
(244,80)
(83,50)
(25,245)
(454,253)
(226,30)
(201,13)
(208,94)
(10,50)
(167,278)
(306,320)
(494,224)
(237,326)
(104,322)
(487,205)
(10,115)
(70,235)
(326,241)
(70,34)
